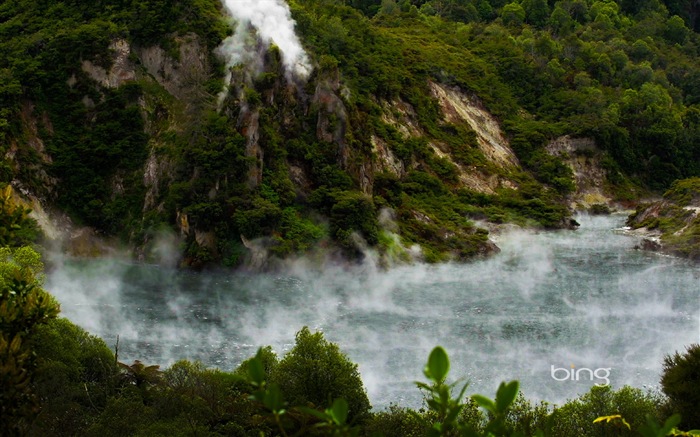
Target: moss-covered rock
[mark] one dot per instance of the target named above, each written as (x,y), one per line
(675,219)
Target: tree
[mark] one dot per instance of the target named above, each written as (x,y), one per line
(513,14)
(561,21)
(353,212)
(676,31)
(76,373)
(24,305)
(316,372)
(536,12)
(16,227)
(681,383)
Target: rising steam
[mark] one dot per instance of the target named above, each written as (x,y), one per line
(548,299)
(271,22)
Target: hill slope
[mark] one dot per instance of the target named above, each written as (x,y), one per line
(404,122)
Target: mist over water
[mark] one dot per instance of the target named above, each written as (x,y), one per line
(584,298)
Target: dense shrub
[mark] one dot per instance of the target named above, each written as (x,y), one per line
(576,417)
(76,375)
(315,372)
(681,383)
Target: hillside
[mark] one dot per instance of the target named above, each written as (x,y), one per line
(385,125)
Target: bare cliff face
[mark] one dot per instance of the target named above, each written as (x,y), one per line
(457,108)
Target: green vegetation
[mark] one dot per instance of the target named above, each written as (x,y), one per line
(59,380)
(624,73)
(24,308)
(16,227)
(302,395)
(680,383)
(676,217)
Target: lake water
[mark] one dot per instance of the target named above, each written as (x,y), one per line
(549,300)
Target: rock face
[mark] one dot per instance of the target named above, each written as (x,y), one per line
(121,71)
(179,76)
(458,107)
(584,158)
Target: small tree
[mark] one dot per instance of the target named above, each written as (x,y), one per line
(513,14)
(681,383)
(16,227)
(315,372)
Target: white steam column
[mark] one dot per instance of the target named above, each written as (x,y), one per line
(271,22)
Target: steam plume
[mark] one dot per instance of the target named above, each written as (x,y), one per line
(272,21)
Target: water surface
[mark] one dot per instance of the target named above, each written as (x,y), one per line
(580,298)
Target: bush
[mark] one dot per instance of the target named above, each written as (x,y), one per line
(576,417)
(683,192)
(353,212)
(395,422)
(681,383)
(75,376)
(315,372)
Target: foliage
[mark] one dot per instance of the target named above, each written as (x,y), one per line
(75,376)
(684,192)
(578,416)
(16,227)
(24,307)
(315,371)
(353,212)
(446,409)
(680,380)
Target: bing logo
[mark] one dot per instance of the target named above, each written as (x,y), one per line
(601,374)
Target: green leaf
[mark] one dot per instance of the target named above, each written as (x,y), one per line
(273,399)
(438,365)
(461,392)
(313,412)
(423,386)
(340,411)
(506,395)
(452,415)
(485,403)
(256,371)
(670,423)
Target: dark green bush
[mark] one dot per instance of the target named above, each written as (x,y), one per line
(576,417)
(315,372)
(76,375)
(681,383)
(353,212)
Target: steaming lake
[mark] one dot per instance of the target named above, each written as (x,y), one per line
(584,298)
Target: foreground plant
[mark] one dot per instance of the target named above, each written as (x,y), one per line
(652,427)
(447,408)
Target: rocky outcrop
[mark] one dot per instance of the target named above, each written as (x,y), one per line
(181,76)
(121,71)
(387,160)
(459,107)
(249,124)
(583,156)
(671,225)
